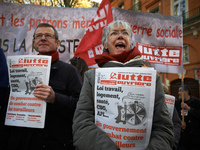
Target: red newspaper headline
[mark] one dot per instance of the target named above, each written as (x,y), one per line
(169,101)
(121,137)
(31,62)
(128,79)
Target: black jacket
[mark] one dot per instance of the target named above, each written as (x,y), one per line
(191,134)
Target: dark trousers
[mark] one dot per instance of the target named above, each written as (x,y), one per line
(188,147)
(25,139)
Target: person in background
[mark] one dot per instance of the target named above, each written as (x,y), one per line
(190,129)
(118,52)
(61,96)
(80,64)
(175,118)
(4,95)
(4,80)
(176,121)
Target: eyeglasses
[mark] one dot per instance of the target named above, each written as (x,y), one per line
(46,35)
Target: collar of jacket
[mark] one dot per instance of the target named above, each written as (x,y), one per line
(54,55)
(54,65)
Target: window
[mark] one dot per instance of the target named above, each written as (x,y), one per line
(137,5)
(121,5)
(155,10)
(179,8)
(185,54)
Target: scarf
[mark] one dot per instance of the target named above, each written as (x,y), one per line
(122,57)
(54,55)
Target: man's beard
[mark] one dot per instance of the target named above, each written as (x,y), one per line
(180,96)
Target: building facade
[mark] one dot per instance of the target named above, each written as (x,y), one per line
(189,10)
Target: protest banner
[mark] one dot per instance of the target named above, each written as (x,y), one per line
(197,74)
(25,72)
(18,23)
(162,32)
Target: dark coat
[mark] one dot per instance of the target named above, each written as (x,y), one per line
(4,95)
(190,136)
(177,128)
(3,77)
(87,136)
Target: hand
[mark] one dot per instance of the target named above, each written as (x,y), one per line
(183,125)
(185,106)
(45,93)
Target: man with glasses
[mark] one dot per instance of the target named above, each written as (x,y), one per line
(61,96)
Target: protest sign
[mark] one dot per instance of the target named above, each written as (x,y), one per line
(170,101)
(124,103)
(25,72)
(197,74)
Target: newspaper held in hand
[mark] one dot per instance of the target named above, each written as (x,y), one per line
(25,72)
(124,104)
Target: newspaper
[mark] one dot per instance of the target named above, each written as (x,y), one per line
(170,101)
(124,104)
(25,72)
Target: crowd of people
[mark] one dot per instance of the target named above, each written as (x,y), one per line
(70,114)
